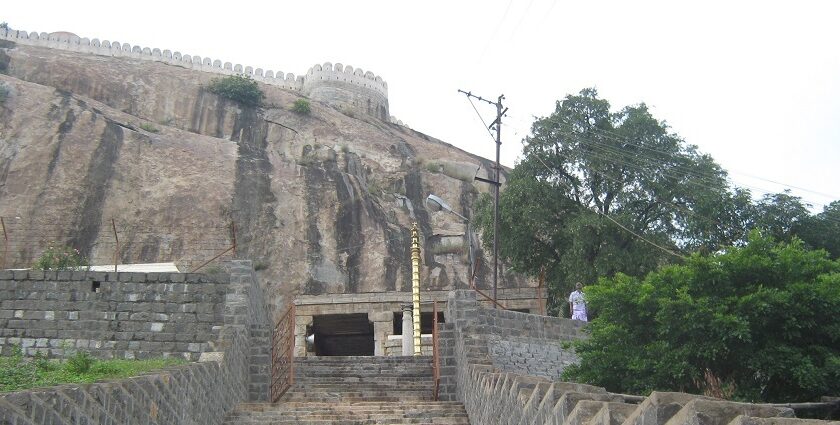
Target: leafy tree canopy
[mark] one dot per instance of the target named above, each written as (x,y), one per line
(584,170)
(762,318)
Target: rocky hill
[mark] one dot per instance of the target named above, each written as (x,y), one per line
(323,203)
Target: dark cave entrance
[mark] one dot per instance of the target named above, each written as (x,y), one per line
(343,335)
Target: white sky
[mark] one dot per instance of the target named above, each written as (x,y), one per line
(754,84)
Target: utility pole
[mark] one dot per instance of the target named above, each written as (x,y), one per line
(500,112)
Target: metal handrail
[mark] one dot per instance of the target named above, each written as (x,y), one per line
(283,354)
(478,291)
(435,354)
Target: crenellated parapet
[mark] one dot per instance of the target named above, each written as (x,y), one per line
(348,88)
(345,87)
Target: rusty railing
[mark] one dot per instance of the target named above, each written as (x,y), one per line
(480,292)
(435,348)
(283,354)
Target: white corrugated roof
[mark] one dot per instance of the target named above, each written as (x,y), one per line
(140,268)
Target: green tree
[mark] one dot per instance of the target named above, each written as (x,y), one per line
(240,88)
(762,318)
(780,215)
(584,169)
(822,231)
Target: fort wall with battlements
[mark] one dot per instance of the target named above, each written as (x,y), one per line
(345,87)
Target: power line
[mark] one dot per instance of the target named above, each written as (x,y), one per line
(482,120)
(682,171)
(605,156)
(624,140)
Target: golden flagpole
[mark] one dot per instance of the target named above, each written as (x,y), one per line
(415,285)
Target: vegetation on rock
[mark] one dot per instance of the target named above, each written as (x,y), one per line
(760,319)
(240,88)
(149,127)
(301,106)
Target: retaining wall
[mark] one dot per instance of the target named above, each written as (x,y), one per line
(496,349)
(198,393)
(111,315)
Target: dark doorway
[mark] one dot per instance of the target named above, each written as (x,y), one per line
(343,335)
(427,322)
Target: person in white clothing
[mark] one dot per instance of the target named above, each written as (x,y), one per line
(577,303)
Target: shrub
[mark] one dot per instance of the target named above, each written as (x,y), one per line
(4,93)
(80,362)
(301,106)
(60,258)
(755,323)
(239,88)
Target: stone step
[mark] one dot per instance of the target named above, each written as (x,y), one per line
(349,413)
(356,390)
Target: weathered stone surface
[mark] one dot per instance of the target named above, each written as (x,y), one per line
(323,202)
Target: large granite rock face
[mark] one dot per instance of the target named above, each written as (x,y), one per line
(323,201)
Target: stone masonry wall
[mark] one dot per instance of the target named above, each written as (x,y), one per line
(110,315)
(197,393)
(477,330)
(530,344)
(245,306)
(521,342)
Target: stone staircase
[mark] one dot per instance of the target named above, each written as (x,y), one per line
(355,390)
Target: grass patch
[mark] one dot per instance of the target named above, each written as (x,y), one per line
(19,373)
(434,167)
(150,128)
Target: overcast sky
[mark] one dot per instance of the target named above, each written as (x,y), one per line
(754,84)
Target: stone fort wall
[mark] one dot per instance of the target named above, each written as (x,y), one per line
(341,86)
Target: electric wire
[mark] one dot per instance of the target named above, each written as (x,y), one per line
(623,139)
(486,127)
(642,168)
